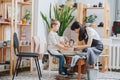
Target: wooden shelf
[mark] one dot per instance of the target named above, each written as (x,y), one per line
(25,3)
(5,23)
(23,24)
(94,7)
(3,1)
(13,28)
(25,45)
(98,27)
(5,47)
(4,70)
(24,66)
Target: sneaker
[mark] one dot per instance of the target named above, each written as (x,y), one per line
(70,72)
(62,73)
(65,76)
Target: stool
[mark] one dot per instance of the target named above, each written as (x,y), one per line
(62,78)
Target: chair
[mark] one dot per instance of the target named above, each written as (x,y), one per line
(20,55)
(50,61)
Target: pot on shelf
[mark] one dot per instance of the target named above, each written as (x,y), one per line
(88,24)
(26,0)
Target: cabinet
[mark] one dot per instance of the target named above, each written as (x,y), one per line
(6,31)
(82,10)
(24,28)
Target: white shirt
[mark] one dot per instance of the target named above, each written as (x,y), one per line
(53,40)
(92,33)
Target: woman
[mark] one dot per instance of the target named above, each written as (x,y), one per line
(54,45)
(93,45)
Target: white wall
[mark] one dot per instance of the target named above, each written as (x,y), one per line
(112,12)
(117,10)
(40,28)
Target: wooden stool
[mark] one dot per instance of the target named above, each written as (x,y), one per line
(62,78)
(80,66)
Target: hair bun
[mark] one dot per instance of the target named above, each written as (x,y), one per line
(52,20)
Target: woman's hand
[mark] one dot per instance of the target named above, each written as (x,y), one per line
(66,48)
(76,49)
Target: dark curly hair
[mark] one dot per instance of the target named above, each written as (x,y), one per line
(82,32)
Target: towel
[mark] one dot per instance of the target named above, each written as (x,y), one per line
(79,55)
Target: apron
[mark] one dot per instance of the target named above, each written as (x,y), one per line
(94,51)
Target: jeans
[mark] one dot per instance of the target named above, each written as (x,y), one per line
(61,63)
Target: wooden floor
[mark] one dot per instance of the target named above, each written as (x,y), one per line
(33,76)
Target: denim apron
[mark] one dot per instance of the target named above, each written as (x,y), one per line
(94,51)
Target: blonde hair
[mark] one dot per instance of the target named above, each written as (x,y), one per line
(54,22)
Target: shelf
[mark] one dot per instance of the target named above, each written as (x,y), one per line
(4,62)
(4,70)
(116,38)
(94,7)
(98,27)
(24,66)
(5,23)
(23,24)
(25,3)
(4,46)
(3,1)
(25,45)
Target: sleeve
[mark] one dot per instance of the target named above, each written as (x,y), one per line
(53,39)
(90,33)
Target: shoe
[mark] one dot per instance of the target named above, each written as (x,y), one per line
(70,72)
(62,73)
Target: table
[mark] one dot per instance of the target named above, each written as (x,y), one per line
(80,65)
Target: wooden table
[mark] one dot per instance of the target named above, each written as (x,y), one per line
(80,66)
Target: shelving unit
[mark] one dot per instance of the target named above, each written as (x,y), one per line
(17,7)
(24,30)
(82,11)
(3,34)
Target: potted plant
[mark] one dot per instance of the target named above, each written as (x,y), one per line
(27,16)
(90,19)
(64,15)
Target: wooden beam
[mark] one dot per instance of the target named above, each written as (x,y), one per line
(0,40)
